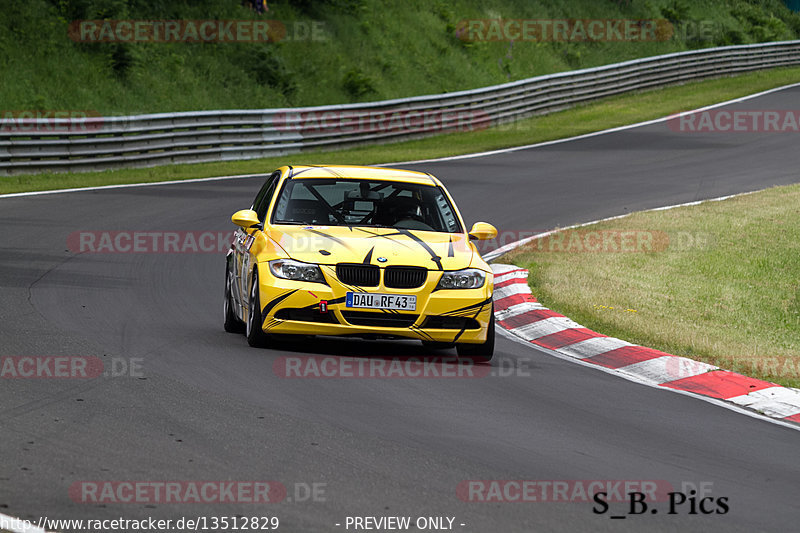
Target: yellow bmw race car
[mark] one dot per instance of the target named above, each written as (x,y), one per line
(360,251)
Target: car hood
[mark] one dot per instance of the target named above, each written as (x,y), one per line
(342,244)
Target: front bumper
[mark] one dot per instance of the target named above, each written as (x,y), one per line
(455,315)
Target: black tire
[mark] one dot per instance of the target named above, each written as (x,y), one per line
(434,345)
(480,353)
(232,323)
(255,335)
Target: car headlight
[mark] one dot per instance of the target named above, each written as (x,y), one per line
(469,278)
(295,270)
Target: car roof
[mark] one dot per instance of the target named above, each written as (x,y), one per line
(359,172)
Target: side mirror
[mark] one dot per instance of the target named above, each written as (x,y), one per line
(482,231)
(246,218)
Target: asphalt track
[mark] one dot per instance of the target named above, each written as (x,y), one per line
(207,407)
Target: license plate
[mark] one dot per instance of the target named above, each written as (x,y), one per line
(364,300)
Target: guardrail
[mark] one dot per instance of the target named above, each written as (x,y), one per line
(99,143)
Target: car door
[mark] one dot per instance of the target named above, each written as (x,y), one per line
(243,239)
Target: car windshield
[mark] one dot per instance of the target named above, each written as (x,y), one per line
(351,202)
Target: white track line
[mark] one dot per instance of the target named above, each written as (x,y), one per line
(594,133)
(494,254)
(449,158)
(126,185)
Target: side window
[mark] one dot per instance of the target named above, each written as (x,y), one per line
(446,212)
(283,201)
(261,192)
(261,203)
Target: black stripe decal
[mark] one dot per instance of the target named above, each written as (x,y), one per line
(475,317)
(386,235)
(274,302)
(334,239)
(420,332)
(368,258)
(435,258)
(478,305)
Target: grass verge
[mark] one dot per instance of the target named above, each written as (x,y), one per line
(727,294)
(604,114)
(332,51)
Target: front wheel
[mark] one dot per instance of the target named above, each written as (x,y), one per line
(255,334)
(483,352)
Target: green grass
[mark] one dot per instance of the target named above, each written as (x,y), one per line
(611,112)
(721,283)
(371,50)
